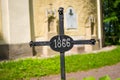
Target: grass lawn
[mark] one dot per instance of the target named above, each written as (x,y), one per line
(27,68)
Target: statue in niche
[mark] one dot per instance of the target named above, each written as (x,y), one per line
(0,36)
(71,19)
(91,24)
(51,14)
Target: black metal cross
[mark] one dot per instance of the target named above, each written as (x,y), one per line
(62,43)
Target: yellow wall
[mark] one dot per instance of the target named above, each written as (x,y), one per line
(83,9)
(0,22)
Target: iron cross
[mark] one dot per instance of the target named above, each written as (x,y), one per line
(62,43)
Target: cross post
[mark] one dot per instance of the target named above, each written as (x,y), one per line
(61,32)
(62,43)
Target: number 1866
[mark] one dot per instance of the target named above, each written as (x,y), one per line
(65,42)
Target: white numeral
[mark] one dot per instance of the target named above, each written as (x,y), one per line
(68,42)
(62,43)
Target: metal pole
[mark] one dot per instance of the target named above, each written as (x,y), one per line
(61,21)
(61,32)
(100,26)
(62,63)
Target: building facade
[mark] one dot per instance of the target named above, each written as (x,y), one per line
(24,20)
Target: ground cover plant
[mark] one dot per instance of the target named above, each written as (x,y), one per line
(106,77)
(36,67)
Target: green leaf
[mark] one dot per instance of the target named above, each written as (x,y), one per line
(89,78)
(117,79)
(116,3)
(112,18)
(105,78)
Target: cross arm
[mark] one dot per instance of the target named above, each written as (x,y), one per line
(41,43)
(91,41)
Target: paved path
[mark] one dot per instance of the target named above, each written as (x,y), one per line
(113,71)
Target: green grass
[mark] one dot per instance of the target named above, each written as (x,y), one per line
(27,68)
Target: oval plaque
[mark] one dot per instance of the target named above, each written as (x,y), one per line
(61,43)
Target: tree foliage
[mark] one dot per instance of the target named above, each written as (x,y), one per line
(111,20)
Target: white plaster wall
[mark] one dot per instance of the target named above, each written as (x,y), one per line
(19,20)
(5,21)
(16,21)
